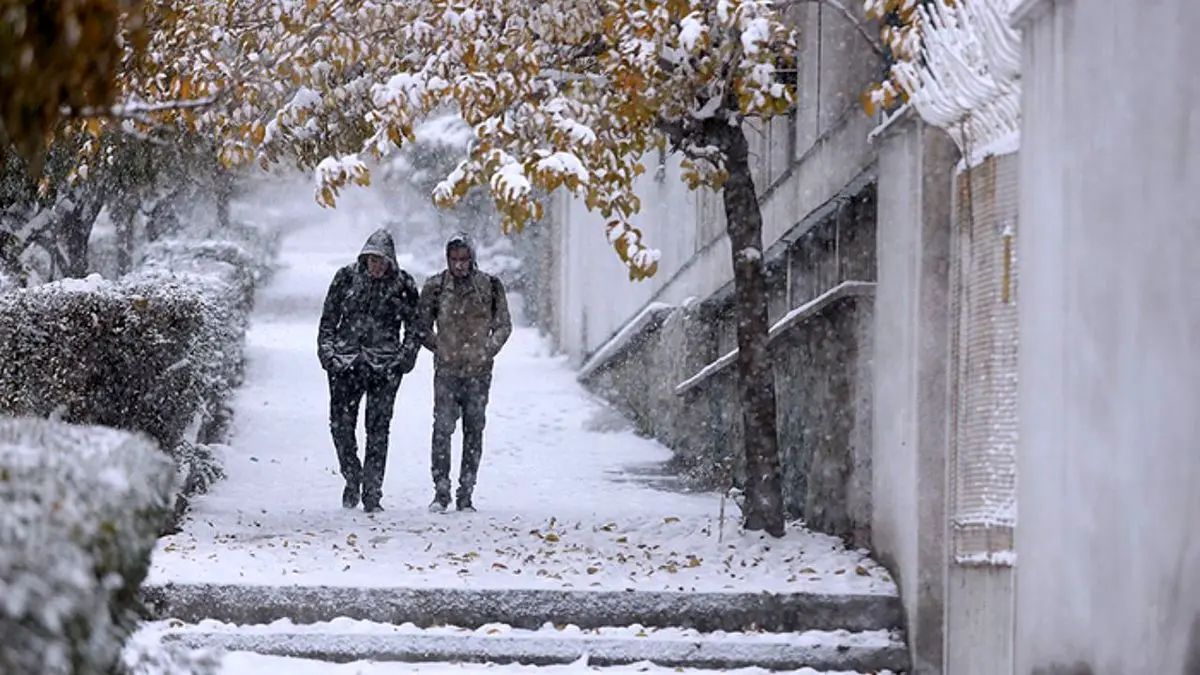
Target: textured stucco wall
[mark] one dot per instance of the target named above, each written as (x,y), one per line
(1108,541)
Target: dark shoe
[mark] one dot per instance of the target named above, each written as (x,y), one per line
(439,504)
(350,496)
(372,508)
(464,504)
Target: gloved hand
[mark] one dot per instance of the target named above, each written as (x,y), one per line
(337,364)
(492,347)
(325,356)
(407,359)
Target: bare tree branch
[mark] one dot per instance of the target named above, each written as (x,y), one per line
(140,110)
(848,15)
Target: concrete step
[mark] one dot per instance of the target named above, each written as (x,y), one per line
(346,641)
(525,608)
(248,663)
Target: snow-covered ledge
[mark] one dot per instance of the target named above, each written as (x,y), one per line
(651,315)
(846,289)
(968,82)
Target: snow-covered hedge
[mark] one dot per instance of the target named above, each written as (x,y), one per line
(158,351)
(80,509)
(128,354)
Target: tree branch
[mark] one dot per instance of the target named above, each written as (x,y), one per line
(848,15)
(140,110)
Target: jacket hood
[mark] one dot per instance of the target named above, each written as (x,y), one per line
(380,243)
(462,240)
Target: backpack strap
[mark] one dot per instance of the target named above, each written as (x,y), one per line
(493,282)
(436,303)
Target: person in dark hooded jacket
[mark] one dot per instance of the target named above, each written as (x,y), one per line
(360,347)
(469,310)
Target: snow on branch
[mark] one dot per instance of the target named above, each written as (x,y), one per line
(143,110)
(968,79)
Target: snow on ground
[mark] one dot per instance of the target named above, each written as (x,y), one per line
(345,626)
(559,503)
(241,663)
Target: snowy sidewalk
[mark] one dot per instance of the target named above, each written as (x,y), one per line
(558,507)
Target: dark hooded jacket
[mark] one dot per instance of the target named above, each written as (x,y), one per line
(470,315)
(362,318)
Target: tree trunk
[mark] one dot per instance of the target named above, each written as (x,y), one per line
(122,213)
(224,195)
(756,377)
(74,231)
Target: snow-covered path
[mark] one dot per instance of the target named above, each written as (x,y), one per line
(557,504)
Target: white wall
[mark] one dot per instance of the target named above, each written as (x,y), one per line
(912,329)
(598,297)
(1108,541)
(798,165)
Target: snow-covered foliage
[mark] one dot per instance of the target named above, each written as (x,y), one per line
(157,351)
(958,63)
(80,509)
(146,657)
(229,261)
(409,177)
(120,354)
(560,93)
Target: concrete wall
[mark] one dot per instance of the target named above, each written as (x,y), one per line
(979,620)
(911,397)
(804,160)
(1108,578)
(814,172)
(821,355)
(597,298)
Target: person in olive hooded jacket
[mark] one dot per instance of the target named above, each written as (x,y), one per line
(360,347)
(469,310)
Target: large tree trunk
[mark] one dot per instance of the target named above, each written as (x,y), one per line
(756,378)
(75,230)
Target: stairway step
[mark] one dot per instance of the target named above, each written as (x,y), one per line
(525,608)
(346,640)
(247,663)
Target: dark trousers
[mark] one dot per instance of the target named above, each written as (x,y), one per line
(346,391)
(454,395)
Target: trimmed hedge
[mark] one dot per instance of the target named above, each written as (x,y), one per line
(128,355)
(80,509)
(159,351)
